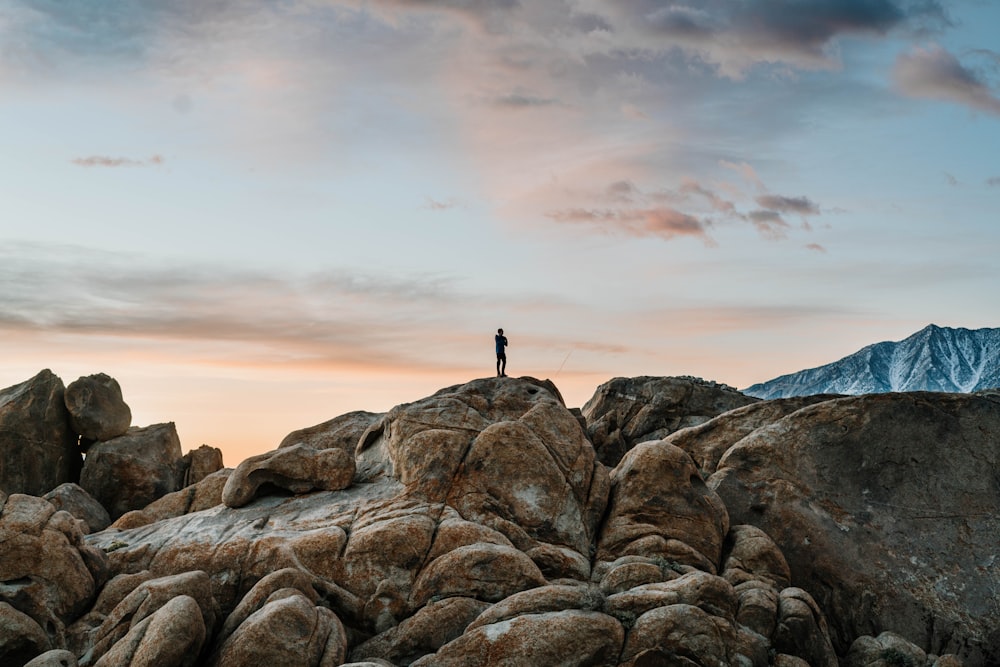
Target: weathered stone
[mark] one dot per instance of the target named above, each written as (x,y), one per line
(884,507)
(802,630)
(541,600)
(200,463)
(506,453)
(757,607)
(171,636)
(341,432)
(288,630)
(710,593)
(54,658)
(257,597)
(886,650)
(38,449)
(680,632)
(201,496)
(660,507)
(21,637)
(47,571)
(626,411)
(567,638)
(707,442)
(147,600)
(96,408)
(749,554)
(298,469)
(425,632)
(484,571)
(74,499)
(131,471)
(629,575)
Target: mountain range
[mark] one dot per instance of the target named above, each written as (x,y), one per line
(933,359)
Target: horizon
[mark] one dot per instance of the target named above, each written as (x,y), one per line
(257,217)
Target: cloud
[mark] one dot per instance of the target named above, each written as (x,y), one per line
(737,35)
(663,222)
(435,205)
(105,161)
(993,182)
(816,247)
(801,205)
(745,170)
(524,101)
(689,186)
(770,224)
(934,73)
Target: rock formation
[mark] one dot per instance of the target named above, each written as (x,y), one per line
(477,526)
(626,411)
(96,408)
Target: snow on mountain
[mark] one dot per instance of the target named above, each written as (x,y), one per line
(933,359)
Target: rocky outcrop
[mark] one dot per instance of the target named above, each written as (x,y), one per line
(885,508)
(477,527)
(297,469)
(341,432)
(626,411)
(74,499)
(38,449)
(96,408)
(131,471)
(200,463)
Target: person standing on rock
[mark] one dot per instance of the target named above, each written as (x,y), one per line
(501,342)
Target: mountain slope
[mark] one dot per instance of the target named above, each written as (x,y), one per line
(933,359)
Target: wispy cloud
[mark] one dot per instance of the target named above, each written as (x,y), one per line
(993,182)
(105,161)
(663,222)
(800,205)
(934,73)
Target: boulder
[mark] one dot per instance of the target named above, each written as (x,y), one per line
(568,638)
(298,469)
(96,408)
(341,432)
(47,571)
(38,449)
(21,637)
(626,411)
(660,507)
(884,507)
(200,463)
(505,453)
(74,499)
(53,658)
(802,629)
(430,628)
(681,634)
(487,572)
(707,442)
(287,630)
(172,636)
(886,650)
(131,471)
(200,496)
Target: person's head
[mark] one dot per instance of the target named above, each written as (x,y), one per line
(500,331)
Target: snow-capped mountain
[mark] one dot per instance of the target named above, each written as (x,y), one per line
(933,359)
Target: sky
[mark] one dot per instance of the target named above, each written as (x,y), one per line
(260,214)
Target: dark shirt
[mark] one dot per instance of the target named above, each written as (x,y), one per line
(501,343)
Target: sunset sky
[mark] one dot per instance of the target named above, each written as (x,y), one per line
(259,215)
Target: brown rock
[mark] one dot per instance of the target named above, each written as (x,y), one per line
(96,408)
(288,630)
(341,432)
(710,593)
(172,636)
(200,463)
(48,572)
(660,507)
(201,496)
(886,650)
(131,471)
(112,642)
(541,600)
(53,658)
(802,629)
(38,449)
(298,469)
(566,638)
(751,555)
(680,634)
(484,571)
(626,411)
(425,632)
(21,638)
(884,507)
(74,499)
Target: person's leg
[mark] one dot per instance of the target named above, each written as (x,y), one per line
(498,365)
(503,367)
